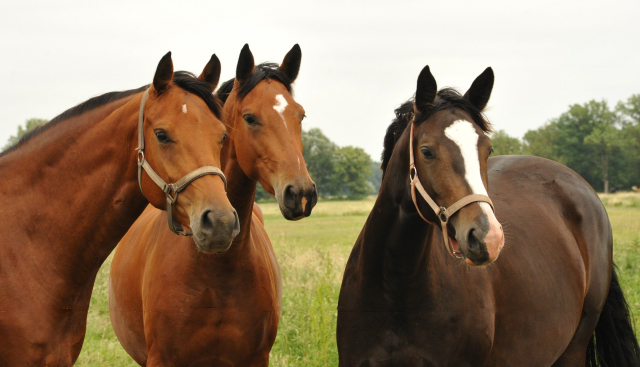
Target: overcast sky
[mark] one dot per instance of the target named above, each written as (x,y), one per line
(360,59)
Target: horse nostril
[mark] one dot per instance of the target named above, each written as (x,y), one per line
(289,197)
(236,226)
(206,221)
(472,243)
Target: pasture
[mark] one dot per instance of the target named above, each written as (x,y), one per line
(312,253)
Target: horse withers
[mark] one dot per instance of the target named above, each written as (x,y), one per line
(171,305)
(71,190)
(434,279)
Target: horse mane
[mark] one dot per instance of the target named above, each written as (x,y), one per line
(446,99)
(183,79)
(264,71)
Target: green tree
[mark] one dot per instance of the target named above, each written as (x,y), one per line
(318,153)
(503,144)
(629,114)
(375,177)
(589,140)
(630,110)
(351,170)
(29,125)
(542,142)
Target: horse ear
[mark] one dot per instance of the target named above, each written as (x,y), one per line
(426,90)
(164,74)
(245,64)
(291,63)
(211,73)
(480,90)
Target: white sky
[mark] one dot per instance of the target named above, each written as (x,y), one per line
(360,59)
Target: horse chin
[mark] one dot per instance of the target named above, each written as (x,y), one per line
(289,214)
(212,248)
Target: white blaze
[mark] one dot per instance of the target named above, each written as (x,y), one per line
(465,136)
(280,106)
(184,108)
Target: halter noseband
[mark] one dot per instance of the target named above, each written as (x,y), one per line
(171,190)
(441,212)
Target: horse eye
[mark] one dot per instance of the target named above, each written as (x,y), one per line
(162,136)
(427,153)
(303,117)
(490,151)
(249,119)
(223,138)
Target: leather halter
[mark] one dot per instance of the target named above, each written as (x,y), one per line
(171,190)
(441,212)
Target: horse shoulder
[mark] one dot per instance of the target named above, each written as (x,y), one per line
(126,282)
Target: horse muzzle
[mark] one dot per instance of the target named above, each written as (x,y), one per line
(215,229)
(297,200)
(483,240)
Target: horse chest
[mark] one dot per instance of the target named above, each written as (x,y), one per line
(461,337)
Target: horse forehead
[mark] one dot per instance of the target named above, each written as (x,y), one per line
(281,103)
(179,102)
(462,132)
(270,93)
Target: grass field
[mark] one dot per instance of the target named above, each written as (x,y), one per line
(312,254)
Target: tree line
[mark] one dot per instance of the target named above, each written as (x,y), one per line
(600,143)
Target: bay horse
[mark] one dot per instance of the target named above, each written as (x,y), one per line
(405,301)
(171,305)
(71,189)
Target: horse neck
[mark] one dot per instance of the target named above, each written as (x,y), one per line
(241,193)
(395,240)
(77,188)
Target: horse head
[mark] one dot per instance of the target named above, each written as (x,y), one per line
(450,147)
(183,131)
(265,128)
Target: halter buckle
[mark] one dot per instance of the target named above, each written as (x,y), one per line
(140,156)
(413,172)
(442,215)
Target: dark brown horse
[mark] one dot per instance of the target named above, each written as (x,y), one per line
(70,191)
(405,301)
(171,305)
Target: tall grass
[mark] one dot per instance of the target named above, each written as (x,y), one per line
(312,254)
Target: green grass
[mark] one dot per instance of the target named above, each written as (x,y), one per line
(312,254)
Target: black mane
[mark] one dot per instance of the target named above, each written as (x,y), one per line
(264,71)
(447,98)
(182,79)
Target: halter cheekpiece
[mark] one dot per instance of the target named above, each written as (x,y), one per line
(441,212)
(170,190)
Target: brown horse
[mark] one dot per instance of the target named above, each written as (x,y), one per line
(70,191)
(405,302)
(173,306)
